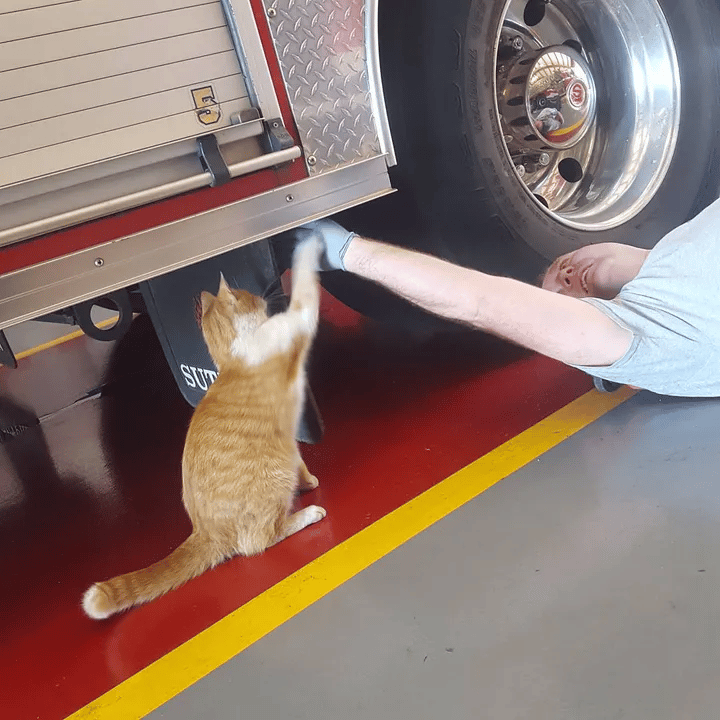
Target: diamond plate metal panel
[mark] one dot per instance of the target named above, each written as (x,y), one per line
(321,47)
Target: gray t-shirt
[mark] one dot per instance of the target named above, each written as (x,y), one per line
(672,309)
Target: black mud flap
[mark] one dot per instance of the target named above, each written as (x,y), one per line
(171,302)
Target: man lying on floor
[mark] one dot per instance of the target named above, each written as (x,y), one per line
(646,318)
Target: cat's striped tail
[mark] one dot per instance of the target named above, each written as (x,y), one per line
(194,556)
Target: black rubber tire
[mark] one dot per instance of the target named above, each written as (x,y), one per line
(458,196)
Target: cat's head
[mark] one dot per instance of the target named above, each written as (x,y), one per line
(227,315)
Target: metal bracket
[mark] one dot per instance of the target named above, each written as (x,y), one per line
(212,160)
(61,317)
(278,136)
(7,356)
(121,300)
(245,116)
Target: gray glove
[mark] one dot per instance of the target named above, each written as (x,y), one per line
(335,238)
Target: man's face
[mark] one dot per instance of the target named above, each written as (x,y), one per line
(598,271)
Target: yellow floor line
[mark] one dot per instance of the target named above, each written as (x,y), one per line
(60,340)
(170,675)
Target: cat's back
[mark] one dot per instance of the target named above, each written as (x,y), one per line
(246,412)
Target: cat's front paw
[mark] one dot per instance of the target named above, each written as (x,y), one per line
(307,253)
(307,482)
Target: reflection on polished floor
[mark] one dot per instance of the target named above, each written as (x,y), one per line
(580,586)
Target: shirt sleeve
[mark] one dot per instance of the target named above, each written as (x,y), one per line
(660,358)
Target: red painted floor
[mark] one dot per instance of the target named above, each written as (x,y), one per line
(94,489)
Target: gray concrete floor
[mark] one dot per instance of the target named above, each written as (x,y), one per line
(584,587)
(33,333)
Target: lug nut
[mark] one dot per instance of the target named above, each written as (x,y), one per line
(544,159)
(517,43)
(520,170)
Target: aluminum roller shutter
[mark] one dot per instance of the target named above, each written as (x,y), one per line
(84,81)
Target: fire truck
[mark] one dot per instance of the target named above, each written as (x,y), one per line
(146,145)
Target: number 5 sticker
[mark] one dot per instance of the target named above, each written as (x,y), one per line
(208,110)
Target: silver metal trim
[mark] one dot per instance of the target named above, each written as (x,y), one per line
(143,197)
(375,81)
(249,49)
(58,283)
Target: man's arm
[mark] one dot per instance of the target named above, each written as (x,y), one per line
(561,327)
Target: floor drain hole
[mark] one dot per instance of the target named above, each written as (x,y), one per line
(570,170)
(534,12)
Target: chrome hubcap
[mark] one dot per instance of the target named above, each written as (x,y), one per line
(589,105)
(549,98)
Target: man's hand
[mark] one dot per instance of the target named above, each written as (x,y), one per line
(335,239)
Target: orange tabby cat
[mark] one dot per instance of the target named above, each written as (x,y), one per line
(241,465)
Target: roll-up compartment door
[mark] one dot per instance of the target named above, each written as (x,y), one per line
(86,82)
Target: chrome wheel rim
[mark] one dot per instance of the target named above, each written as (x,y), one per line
(588,96)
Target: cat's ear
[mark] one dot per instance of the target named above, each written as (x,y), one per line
(205,300)
(223,287)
